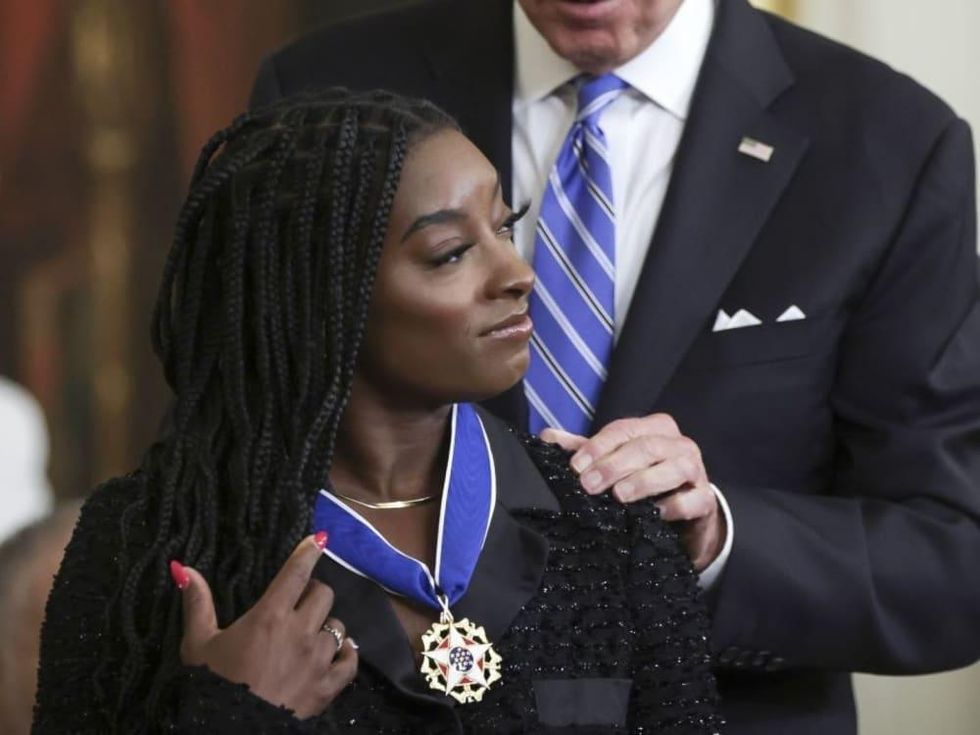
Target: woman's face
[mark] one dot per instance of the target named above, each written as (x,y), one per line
(448,319)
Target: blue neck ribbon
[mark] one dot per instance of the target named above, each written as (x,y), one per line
(469,495)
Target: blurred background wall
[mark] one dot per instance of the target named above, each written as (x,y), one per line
(103,107)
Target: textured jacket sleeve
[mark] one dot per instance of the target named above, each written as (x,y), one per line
(72,640)
(882,574)
(673,686)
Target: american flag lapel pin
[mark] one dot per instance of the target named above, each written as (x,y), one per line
(756,149)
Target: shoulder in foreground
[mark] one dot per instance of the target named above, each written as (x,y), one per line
(105,505)
(849,77)
(552,462)
(351,38)
(116,492)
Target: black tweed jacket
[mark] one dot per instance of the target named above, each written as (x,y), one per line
(592,606)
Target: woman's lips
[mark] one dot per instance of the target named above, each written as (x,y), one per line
(517,326)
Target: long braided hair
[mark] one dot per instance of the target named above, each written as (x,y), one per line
(258,321)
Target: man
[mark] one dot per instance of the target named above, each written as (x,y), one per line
(795,285)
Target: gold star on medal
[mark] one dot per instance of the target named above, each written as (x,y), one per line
(459,661)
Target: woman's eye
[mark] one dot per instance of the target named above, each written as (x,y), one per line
(507,228)
(453,256)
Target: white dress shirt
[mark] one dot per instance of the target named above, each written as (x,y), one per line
(643,128)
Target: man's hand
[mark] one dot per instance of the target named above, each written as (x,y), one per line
(648,456)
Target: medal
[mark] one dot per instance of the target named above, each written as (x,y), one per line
(457,658)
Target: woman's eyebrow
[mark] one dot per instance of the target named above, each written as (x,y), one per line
(442,216)
(434,218)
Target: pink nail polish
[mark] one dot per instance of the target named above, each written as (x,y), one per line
(320,539)
(180,576)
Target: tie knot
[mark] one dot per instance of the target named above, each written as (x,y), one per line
(595,93)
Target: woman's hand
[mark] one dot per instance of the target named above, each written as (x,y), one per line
(279,648)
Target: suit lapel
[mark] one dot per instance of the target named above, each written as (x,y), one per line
(507,574)
(716,205)
(514,556)
(370,620)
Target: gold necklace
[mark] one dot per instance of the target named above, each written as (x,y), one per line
(389,504)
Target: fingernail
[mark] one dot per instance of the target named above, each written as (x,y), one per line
(320,540)
(580,462)
(180,576)
(625,490)
(591,480)
(352,643)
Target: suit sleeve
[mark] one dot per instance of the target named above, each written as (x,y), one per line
(266,88)
(68,700)
(882,574)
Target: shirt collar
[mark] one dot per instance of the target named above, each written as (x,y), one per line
(665,72)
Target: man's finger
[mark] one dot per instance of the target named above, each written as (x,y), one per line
(200,619)
(287,586)
(618,432)
(688,505)
(606,440)
(632,457)
(565,439)
(650,482)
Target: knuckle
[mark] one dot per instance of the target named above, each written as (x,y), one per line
(307,648)
(621,427)
(651,446)
(688,467)
(269,619)
(664,423)
(689,446)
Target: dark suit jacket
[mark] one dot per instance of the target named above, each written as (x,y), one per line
(592,606)
(848,443)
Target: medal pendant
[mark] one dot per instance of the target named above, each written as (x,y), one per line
(458,660)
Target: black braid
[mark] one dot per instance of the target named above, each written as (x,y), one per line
(258,322)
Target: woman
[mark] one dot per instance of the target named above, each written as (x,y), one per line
(341,287)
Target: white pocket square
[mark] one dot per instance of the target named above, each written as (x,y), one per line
(792,314)
(740,318)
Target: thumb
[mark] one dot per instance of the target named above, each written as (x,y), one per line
(200,619)
(566,439)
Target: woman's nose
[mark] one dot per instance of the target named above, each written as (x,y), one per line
(514,277)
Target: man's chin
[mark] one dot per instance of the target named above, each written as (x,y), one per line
(591,51)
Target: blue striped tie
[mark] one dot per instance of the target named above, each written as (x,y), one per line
(572,305)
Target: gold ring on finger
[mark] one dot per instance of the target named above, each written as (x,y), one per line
(337,634)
